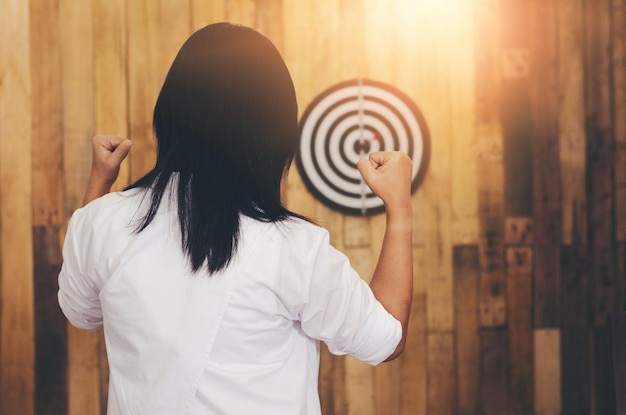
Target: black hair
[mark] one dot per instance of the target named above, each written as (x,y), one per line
(226,128)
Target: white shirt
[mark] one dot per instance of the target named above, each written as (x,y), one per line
(244,341)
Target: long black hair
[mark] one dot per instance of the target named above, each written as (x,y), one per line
(226,128)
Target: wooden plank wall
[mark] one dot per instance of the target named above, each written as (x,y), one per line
(520,223)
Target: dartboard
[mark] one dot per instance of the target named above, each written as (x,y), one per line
(343,125)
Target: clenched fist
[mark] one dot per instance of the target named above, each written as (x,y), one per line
(388,174)
(108,153)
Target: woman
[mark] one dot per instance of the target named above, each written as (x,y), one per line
(212,295)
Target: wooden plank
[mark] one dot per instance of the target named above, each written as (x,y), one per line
(602,398)
(515,109)
(76,38)
(489,167)
(575,352)
(145,76)
(440,399)
(353,63)
(620,249)
(50,324)
(110,76)
(413,381)
(332,382)
(84,389)
(617,338)
(380,39)
(464,141)
(547,370)
(520,345)
(387,393)
(618,27)
(546,172)
(103,370)
(516,131)
(359,388)
(17,395)
(571,113)
(467,324)
(600,162)
(493,370)
(47,113)
(434,68)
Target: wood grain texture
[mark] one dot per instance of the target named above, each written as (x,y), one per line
(437,209)
(464,140)
(600,161)
(84,389)
(17,381)
(467,325)
(490,170)
(47,114)
(545,153)
(50,325)
(440,397)
(413,369)
(575,331)
(617,337)
(547,372)
(519,273)
(618,41)
(515,108)
(77,80)
(493,368)
(602,398)
(571,113)
(620,250)
(524,101)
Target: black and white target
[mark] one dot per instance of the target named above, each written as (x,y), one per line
(343,125)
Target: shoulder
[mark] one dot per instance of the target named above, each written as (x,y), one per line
(117,208)
(297,233)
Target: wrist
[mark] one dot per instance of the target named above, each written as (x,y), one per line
(400,217)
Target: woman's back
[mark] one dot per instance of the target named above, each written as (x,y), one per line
(244,340)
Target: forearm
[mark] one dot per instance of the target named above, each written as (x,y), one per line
(96,187)
(392,282)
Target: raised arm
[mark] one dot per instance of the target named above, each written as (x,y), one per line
(388,174)
(108,153)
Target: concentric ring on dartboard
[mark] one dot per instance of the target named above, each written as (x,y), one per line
(345,123)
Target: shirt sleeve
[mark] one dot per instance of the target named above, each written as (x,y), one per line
(78,294)
(341,310)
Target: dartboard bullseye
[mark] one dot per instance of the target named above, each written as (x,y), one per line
(343,125)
